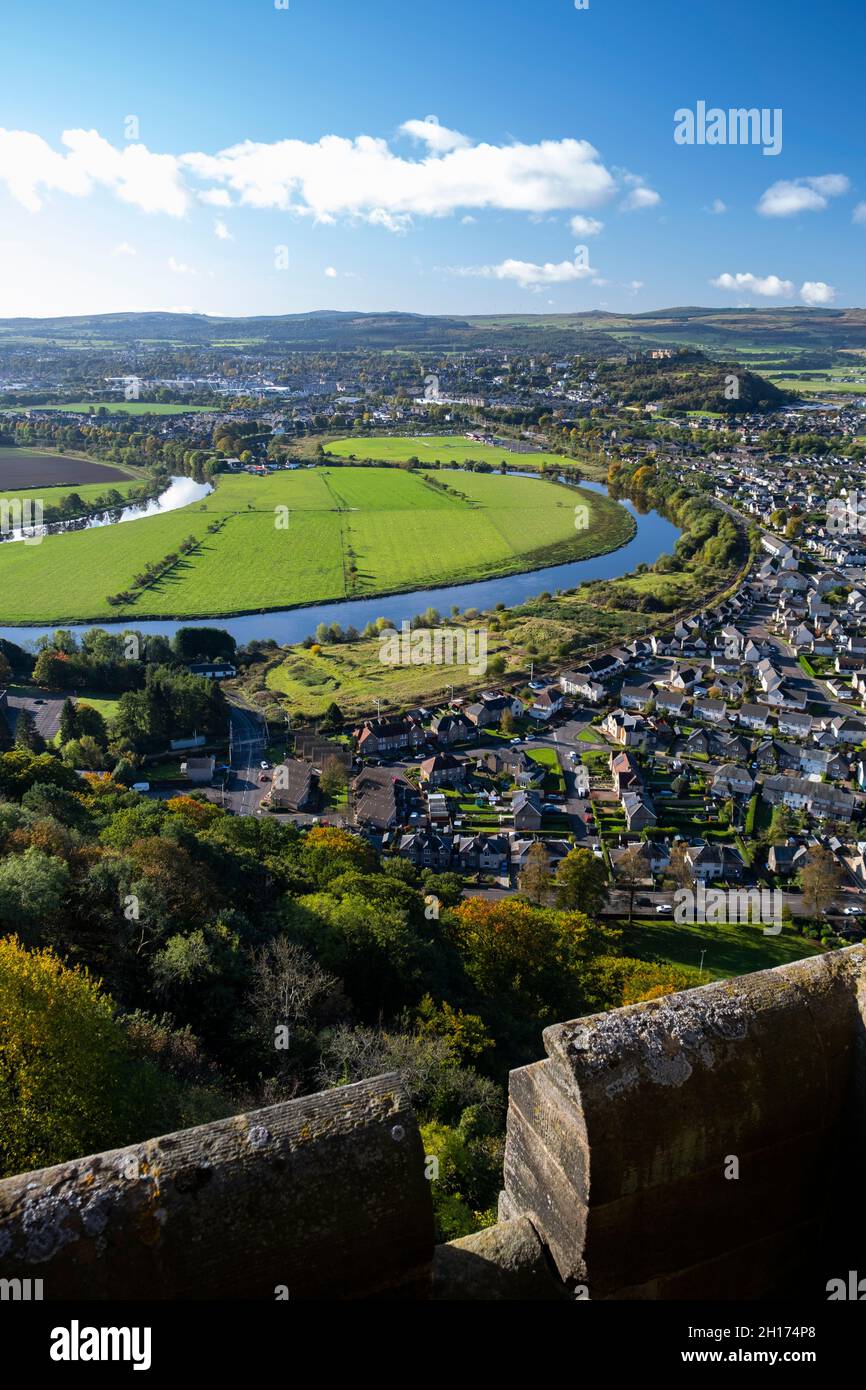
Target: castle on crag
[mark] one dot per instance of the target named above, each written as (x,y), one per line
(700,1146)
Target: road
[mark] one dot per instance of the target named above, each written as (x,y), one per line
(244,791)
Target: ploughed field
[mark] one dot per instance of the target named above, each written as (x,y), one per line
(308,536)
(28,470)
(27,473)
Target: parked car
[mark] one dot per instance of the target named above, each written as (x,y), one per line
(663,907)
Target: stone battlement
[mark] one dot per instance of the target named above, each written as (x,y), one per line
(704,1145)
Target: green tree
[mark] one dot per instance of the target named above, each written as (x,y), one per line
(26,733)
(581,882)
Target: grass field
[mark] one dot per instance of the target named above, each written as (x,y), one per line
(353,676)
(349,533)
(125,407)
(822,385)
(734,949)
(448,449)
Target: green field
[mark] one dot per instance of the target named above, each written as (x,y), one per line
(443,449)
(822,385)
(55,496)
(350,532)
(734,949)
(127,407)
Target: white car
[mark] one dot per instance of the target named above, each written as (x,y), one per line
(264,766)
(663,907)
(852,911)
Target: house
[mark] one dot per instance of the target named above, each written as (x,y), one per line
(556,851)
(846,730)
(427,849)
(708,862)
(671,701)
(800,793)
(652,857)
(625,773)
(714,711)
(482,854)
(731,780)
(381,799)
(583,684)
(686,678)
(292,786)
(443,769)
(754,716)
(697,743)
(451,728)
(638,809)
(514,763)
(526,810)
(786,860)
(213,670)
(199,770)
(636,696)
(383,736)
(629,730)
(794,722)
(547,703)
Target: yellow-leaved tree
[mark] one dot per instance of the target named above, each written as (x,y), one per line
(69,1082)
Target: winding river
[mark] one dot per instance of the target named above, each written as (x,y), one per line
(655,536)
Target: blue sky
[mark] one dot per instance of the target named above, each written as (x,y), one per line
(282,160)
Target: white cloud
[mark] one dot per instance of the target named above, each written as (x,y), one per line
(790,196)
(768,286)
(530,275)
(221,231)
(816,292)
(717,207)
(337,177)
(859,214)
(179,268)
(331,178)
(332,272)
(639,198)
(634,285)
(585,226)
(30,168)
(124,248)
(215,197)
(438,138)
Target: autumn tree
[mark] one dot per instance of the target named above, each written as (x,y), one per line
(631,870)
(581,882)
(536,880)
(820,880)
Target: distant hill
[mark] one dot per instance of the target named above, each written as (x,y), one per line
(766,331)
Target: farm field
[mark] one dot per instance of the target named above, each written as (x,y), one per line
(27,471)
(349,533)
(125,407)
(445,449)
(823,384)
